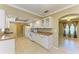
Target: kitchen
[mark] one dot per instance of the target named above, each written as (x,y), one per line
(12,27)
(41,32)
(7,41)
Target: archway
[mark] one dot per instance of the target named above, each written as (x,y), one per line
(68,27)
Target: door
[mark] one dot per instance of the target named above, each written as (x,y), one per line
(19,27)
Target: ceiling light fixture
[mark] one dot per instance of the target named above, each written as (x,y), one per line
(46,11)
(68,19)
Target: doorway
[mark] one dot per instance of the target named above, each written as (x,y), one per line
(69,30)
(19,29)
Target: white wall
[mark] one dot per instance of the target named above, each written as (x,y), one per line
(2,19)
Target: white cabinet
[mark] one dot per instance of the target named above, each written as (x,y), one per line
(2,19)
(45,41)
(7,46)
(9,19)
(36,24)
(44,23)
(12,19)
(47,22)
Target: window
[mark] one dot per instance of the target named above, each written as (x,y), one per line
(72,29)
(67,29)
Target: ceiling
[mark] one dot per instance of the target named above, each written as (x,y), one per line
(39,9)
(70,17)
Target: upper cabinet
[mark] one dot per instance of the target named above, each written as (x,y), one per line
(37,24)
(2,19)
(44,23)
(10,19)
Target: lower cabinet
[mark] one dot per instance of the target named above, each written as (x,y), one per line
(42,40)
(45,41)
(7,46)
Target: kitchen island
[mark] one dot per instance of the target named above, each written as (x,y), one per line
(7,44)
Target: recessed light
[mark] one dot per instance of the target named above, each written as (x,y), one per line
(68,19)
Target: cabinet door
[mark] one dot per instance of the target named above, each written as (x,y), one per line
(50,22)
(2,19)
(42,23)
(27,30)
(44,41)
(47,22)
(50,41)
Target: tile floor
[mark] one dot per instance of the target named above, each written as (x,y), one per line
(70,45)
(26,46)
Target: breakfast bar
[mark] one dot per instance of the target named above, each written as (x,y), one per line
(7,44)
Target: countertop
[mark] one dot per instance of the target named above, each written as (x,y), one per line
(44,33)
(6,37)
